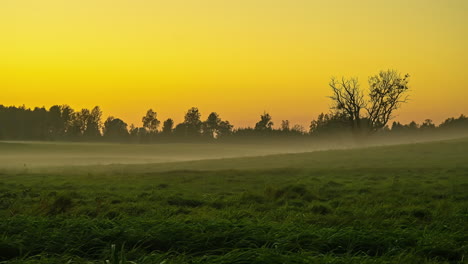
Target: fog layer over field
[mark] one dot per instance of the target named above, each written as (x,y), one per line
(30,155)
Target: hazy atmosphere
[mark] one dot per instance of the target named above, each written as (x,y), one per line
(239,58)
(248,131)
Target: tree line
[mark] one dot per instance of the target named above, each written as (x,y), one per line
(64,123)
(354,111)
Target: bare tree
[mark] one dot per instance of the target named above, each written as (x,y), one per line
(387,91)
(348,98)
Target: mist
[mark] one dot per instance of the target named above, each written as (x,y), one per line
(30,155)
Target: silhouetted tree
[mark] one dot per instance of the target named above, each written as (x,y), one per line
(77,124)
(459,123)
(133,131)
(86,124)
(68,115)
(192,122)
(397,126)
(168,126)
(150,121)
(285,125)
(386,94)
(115,129)
(210,126)
(408,128)
(265,123)
(180,130)
(332,123)
(92,123)
(427,124)
(298,129)
(413,126)
(138,134)
(224,129)
(37,124)
(349,100)
(56,124)
(214,127)
(62,122)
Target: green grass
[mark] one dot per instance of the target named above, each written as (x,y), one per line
(392,204)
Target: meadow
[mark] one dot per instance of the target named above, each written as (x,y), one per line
(403,203)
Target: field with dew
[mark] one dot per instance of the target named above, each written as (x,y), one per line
(383,204)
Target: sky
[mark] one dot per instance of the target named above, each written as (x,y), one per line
(237,57)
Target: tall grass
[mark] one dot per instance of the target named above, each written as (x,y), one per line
(347,213)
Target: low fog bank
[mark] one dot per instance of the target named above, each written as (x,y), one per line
(29,156)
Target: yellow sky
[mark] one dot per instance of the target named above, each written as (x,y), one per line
(236,57)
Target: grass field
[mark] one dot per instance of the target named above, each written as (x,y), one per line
(389,204)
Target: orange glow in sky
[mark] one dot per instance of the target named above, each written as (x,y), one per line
(238,58)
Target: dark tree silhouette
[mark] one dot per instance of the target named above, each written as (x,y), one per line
(86,124)
(180,131)
(150,121)
(387,91)
(138,134)
(214,127)
(93,123)
(348,98)
(168,126)
(224,129)
(328,124)
(427,124)
(285,125)
(297,129)
(77,125)
(265,123)
(397,126)
(192,122)
(56,124)
(37,124)
(115,129)
(67,114)
(210,126)
(460,123)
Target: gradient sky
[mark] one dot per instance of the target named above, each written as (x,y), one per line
(236,57)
